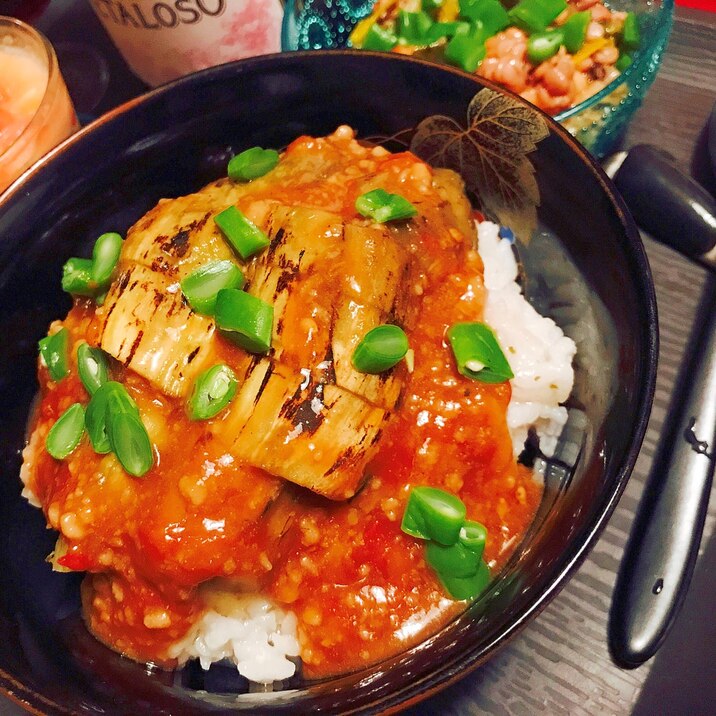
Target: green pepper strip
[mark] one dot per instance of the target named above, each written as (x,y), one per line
(536,15)
(379,39)
(490,13)
(631,36)
(413,27)
(575,30)
(467,51)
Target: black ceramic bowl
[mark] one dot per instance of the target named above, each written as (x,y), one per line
(593,275)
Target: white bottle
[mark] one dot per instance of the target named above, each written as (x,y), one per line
(165,39)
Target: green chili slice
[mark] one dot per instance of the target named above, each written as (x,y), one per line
(478,354)
(382,206)
(213,390)
(467,587)
(54,351)
(252,164)
(380,349)
(92,367)
(244,319)
(105,256)
(453,560)
(130,441)
(202,286)
(65,435)
(543,45)
(434,514)
(575,30)
(245,237)
(77,277)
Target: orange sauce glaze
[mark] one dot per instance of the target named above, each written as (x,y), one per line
(359,587)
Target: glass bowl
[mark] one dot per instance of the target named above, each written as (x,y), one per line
(598,122)
(54,117)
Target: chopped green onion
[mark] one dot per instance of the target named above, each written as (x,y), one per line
(454,560)
(434,514)
(105,256)
(575,30)
(432,4)
(624,61)
(65,435)
(130,441)
(473,536)
(252,164)
(244,319)
(54,351)
(213,390)
(201,286)
(413,27)
(96,422)
(631,36)
(467,587)
(109,399)
(536,15)
(490,13)
(380,349)
(478,354)
(467,50)
(77,277)
(543,45)
(244,236)
(382,206)
(379,39)
(92,367)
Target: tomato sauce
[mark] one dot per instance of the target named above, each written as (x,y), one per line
(358,585)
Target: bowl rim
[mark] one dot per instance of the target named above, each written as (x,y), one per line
(580,545)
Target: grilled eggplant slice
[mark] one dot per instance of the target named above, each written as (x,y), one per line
(148,326)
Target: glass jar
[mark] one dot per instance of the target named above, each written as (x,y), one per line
(36,111)
(161,41)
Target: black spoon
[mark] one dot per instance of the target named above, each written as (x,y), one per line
(661,553)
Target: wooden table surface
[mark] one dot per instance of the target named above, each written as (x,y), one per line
(560,663)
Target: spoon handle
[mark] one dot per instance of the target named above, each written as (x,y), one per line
(664,542)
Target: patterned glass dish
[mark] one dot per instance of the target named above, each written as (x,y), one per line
(598,122)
